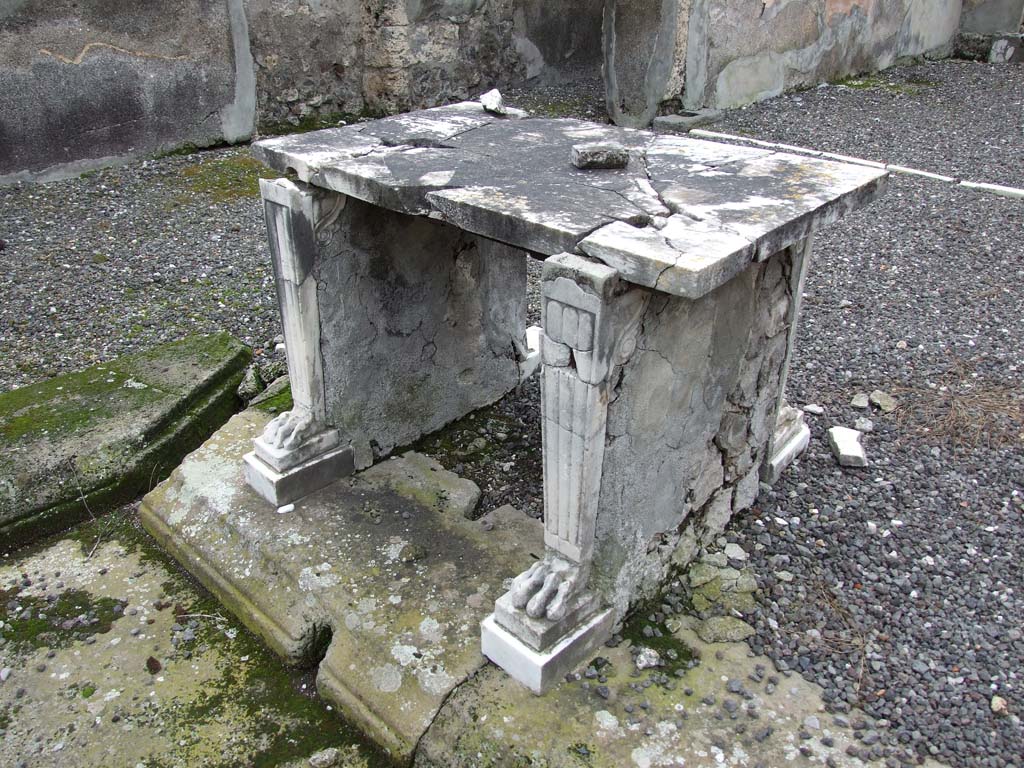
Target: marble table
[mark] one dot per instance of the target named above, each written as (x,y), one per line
(670,294)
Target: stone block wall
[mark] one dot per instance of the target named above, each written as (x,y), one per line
(740,51)
(557,41)
(83,81)
(721,361)
(991,17)
(86,80)
(377,57)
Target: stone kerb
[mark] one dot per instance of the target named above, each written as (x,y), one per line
(80,444)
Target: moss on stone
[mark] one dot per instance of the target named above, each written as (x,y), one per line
(674,653)
(877,83)
(69,404)
(226,177)
(33,622)
(284,719)
(460,442)
(314,122)
(81,448)
(278,403)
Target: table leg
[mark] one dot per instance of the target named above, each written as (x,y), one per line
(590,319)
(792,435)
(298,451)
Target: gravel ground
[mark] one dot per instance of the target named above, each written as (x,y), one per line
(907,596)
(958,118)
(899,587)
(125,258)
(908,592)
(582,98)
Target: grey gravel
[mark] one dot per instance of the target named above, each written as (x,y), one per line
(915,622)
(956,118)
(125,258)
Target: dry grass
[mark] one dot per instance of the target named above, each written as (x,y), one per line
(963,409)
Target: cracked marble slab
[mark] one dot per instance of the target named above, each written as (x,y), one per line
(682,217)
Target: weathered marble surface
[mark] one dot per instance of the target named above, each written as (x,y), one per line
(684,216)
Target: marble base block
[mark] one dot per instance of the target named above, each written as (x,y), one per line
(540,670)
(792,436)
(542,633)
(283,459)
(280,488)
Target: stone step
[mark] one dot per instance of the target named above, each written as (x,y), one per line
(82,443)
(383,568)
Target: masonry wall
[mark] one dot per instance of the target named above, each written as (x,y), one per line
(84,81)
(740,51)
(991,17)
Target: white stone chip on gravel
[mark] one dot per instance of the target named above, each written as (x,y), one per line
(864,424)
(845,444)
(735,552)
(325,758)
(648,658)
(860,400)
(286,509)
(883,400)
(814,409)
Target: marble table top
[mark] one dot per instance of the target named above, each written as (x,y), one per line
(683,217)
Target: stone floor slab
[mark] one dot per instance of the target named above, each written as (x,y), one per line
(732,709)
(110,656)
(80,444)
(383,569)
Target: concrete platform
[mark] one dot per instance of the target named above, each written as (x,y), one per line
(379,575)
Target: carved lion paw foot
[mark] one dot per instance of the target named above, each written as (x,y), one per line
(547,588)
(289,430)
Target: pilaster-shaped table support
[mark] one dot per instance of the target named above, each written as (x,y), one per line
(298,452)
(792,435)
(550,620)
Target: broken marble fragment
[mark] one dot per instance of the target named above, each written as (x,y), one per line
(648,658)
(735,552)
(883,400)
(493,102)
(845,444)
(602,155)
(685,121)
